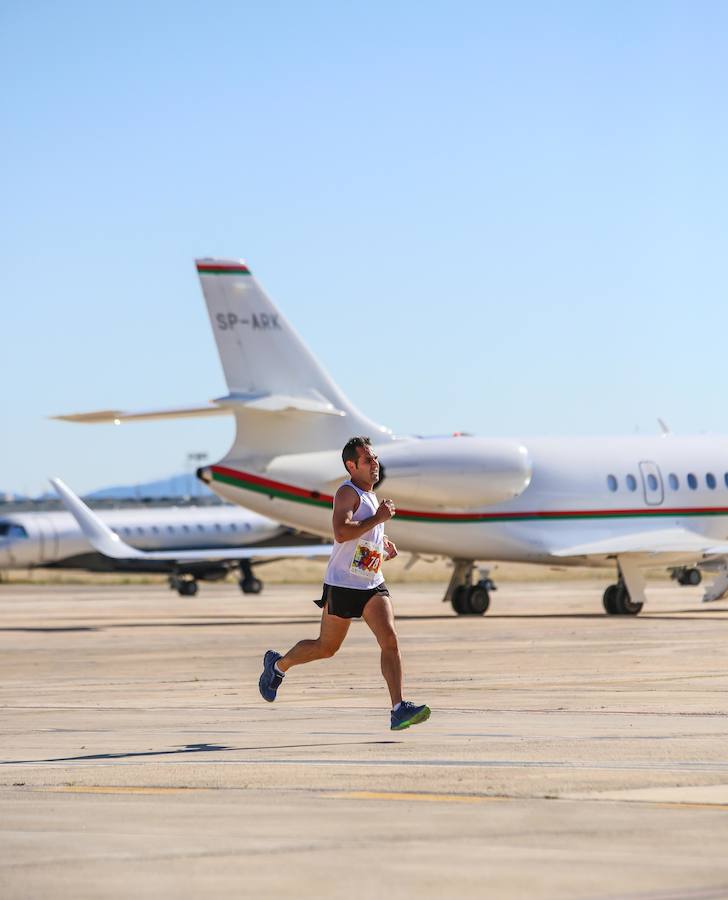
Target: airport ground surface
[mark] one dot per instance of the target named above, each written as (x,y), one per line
(568,755)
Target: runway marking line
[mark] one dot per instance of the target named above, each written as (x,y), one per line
(405,795)
(120,789)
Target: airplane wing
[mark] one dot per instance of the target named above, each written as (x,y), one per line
(667,540)
(108,543)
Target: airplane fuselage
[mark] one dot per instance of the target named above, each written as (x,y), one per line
(40,539)
(579,490)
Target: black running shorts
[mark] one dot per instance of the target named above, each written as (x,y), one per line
(348,603)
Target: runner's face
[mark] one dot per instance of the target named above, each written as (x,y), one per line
(367,465)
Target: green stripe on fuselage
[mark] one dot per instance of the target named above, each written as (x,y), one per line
(283,494)
(269,491)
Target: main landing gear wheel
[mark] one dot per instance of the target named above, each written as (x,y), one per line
(459,600)
(468,599)
(471,600)
(185,587)
(251,585)
(617,601)
(691,577)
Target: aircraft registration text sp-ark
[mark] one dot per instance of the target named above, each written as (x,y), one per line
(635,501)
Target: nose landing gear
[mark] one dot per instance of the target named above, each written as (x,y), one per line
(468,598)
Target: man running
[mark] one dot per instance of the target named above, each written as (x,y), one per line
(354,585)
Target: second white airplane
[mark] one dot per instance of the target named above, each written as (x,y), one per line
(198,543)
(635,501)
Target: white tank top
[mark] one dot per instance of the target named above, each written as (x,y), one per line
(358,563)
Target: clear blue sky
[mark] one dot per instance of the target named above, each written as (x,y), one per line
(523,205)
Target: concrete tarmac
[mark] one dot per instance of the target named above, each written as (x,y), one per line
(569,754)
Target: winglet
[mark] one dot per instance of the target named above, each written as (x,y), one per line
(96,532)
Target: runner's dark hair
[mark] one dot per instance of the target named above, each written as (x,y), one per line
(351,448)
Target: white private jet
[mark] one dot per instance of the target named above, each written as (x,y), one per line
(635,501)
(199,543)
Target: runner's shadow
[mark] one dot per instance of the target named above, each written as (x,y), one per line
(48,629)
(186,749)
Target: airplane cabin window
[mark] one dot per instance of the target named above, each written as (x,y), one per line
(140,531)
(200,527)
(170,529)
(725,478)
(674,481)
(155,529)
(186,528)
(631,483)
(232,526)
(651,482)
(710,480)
(12,529)
(612,483)
(218,527)
(692,481)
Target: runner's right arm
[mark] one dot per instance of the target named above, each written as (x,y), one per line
(346,503)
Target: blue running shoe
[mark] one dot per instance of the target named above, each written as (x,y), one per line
(409,714)
(270,680)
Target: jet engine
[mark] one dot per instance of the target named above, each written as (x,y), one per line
(450,473)
(454,472)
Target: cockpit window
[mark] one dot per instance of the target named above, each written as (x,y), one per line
(12,530)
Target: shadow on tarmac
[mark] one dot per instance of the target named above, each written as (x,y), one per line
(50,628)
(187,748)
(695,615)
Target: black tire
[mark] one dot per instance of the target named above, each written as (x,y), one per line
(478,600)
(693,577)
(625,606)
(459,600)
(251,585)
(187,588)
(610,600)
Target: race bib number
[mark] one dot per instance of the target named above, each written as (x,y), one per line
(367,559)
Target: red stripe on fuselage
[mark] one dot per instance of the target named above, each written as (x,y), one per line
(481,516)
(274,485)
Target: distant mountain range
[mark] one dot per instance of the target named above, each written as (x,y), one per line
(183,485)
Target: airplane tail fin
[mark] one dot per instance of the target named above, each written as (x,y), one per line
(283,399)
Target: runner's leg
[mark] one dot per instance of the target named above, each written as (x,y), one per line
(379,616)
(332,634)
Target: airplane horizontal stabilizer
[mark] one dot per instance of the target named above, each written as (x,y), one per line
(108,543)
(117,416)
(667,540)
(266,403)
